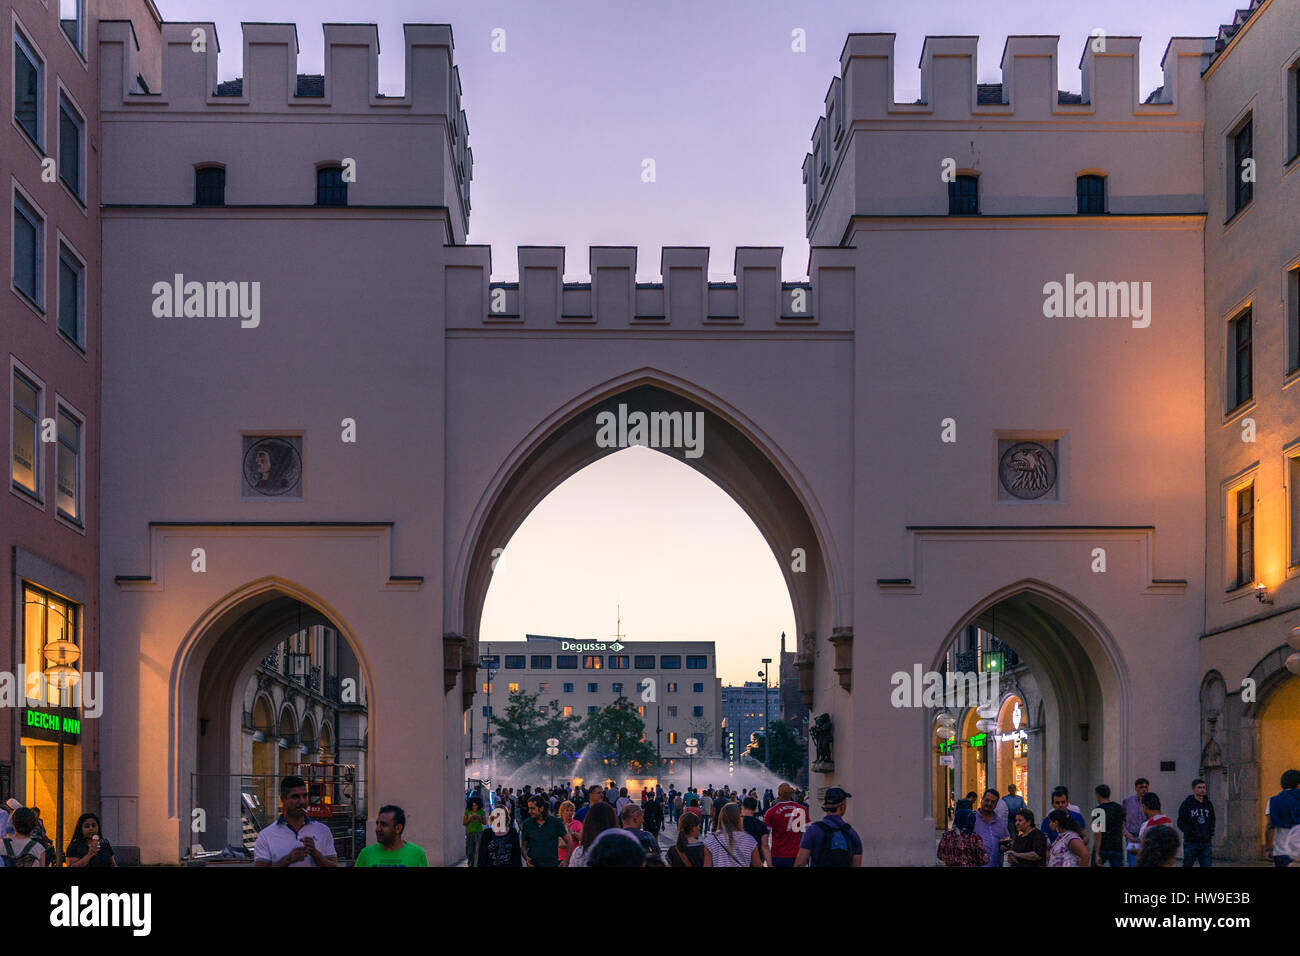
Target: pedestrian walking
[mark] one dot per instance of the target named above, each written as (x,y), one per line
(830,841)
(1196,823)
(542,835)
(1134,818)
(475,821)
(654,818)
(1028,846)
(600,819)
(1159,846)
(390,847)
(788,822)
(1108,848)
(22,849)
(595,794)
(706,808)
(729,844)
(573,826)
(1013,802)
(499,847)
(1283,816)
(689,851)
(1068,849)
(294,839)
(991,828)
(1061,801)
(756,827)
(959,846)
(633,820)
(1151,810)
(88,846)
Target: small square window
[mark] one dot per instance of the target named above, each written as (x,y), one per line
(617,689)
(592,662)
(566,662)
(512,687)
(697,711)
(672,687)
(591,708)
(568,688)
(331,188)
(963,196)
(1091,194)
(210,186)
(672,710)
(568,710)
(593,688)
(699,688)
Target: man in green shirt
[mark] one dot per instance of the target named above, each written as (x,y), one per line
(391,850)
(542,834)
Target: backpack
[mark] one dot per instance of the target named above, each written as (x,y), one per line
(835,848)
(25,858)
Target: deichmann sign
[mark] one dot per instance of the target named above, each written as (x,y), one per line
(44,725)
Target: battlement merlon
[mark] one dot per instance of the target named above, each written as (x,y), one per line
(950,87)
(685,300)
(269,83)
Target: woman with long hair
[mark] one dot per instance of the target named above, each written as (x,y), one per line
(1068,849)
(474,821)
(729,844)
(567,809)
(88,847)
(1159,847)
(1029,845)
(689,851)
(600,817)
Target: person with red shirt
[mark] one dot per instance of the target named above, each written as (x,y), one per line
(1151,810)
(788,822)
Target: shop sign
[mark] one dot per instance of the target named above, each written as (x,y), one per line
(44,724)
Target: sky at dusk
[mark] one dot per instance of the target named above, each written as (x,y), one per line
(559,125)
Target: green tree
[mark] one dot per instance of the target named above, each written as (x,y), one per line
(618,729)
(519,737)
(788,754)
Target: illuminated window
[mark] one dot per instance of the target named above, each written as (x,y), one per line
(568,710)
(591,662)
(487,688)
(641,710)
(47,618)
(672,736)
(672,687)
(544,688)
(512,687)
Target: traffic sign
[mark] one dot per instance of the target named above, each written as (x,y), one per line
(490,660)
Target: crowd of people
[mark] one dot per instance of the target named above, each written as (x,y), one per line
(591,827)
(24,842)
(1001,831)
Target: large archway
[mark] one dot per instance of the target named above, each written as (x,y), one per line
(236,730)
(735,455)
(1052,659)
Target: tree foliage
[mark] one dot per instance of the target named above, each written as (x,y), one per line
(519,736)
(788,754)
(618,729)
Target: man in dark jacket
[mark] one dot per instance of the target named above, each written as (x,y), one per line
(1196,821)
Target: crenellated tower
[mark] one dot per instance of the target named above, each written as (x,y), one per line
(872,156)
(273,126)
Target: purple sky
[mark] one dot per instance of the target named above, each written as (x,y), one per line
(561,121)
(559,124)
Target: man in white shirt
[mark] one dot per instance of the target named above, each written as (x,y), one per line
(294,839)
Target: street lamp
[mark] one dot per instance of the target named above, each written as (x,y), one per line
(489,663)
(552,749)
(692,748)
(767,724)
(62,654)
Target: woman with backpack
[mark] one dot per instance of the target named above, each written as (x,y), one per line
(22,849)
(729,844)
